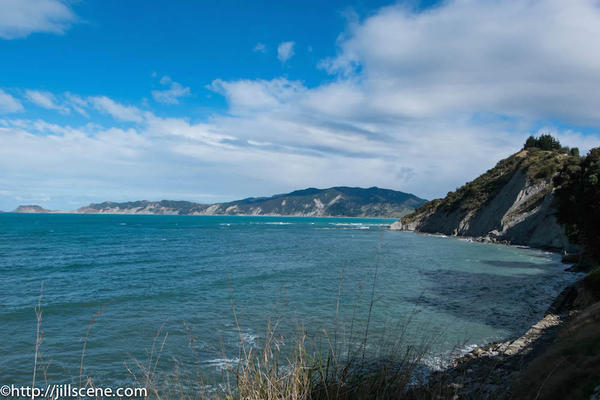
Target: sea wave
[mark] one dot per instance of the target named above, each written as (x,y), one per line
(222,364)
(249,338)
(271,223)
(443,361)
(436,235)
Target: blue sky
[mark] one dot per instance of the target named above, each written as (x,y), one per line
(116,48)
(218,100)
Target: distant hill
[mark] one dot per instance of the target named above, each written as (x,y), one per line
(143,207)
(333,202)
(30,209)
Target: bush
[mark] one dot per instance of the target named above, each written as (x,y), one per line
(544,142)
(578,201)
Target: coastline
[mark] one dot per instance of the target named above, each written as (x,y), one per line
(485,240)
(494,370)
(520,367)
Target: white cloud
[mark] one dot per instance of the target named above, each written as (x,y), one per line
(534,59)
(77,103)
(425,156)
(20,18)
(260,48)
(116,110)
(104,162)
(172,94)
(45,100)
(285,51)
(251,95)
(8,104)
(572,138)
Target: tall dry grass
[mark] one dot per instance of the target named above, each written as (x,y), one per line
(352,362)
(301,372)
(349,363)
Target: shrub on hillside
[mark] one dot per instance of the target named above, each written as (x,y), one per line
(544,142)
(578,200)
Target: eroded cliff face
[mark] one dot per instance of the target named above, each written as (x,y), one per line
(511,203)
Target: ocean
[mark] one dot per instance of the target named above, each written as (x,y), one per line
(126,281)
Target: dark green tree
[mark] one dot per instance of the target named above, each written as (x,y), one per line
(530,142)
(544,142)
(578,201)
(547,142)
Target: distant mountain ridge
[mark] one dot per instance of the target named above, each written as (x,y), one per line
(339,201)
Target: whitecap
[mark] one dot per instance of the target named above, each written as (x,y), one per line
(223,364)
(249,338)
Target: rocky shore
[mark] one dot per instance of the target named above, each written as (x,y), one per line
(554,347)
(488,372)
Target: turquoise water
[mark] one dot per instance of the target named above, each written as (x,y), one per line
(153,271)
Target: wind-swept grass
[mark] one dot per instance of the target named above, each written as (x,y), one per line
(301,371)
(353,363)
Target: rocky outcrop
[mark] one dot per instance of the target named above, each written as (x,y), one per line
(511,203)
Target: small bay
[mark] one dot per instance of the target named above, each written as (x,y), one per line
(183,273)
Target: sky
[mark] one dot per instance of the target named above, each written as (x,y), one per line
(217,100)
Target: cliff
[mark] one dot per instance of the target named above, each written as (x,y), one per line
(510,203)
(333,202)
